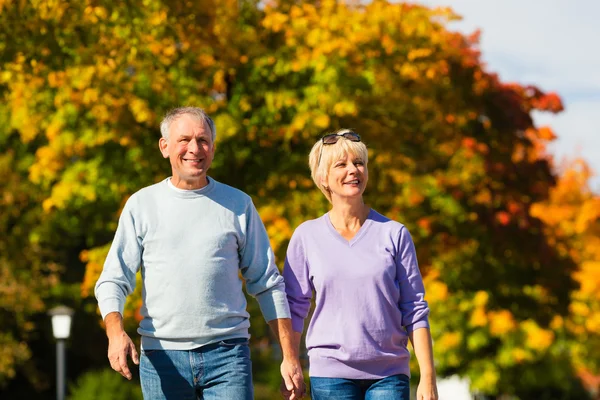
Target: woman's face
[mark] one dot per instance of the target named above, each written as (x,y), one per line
(347,178)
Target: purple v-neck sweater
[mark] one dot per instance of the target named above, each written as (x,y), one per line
(369,294)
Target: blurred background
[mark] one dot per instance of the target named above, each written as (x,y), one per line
(483,143)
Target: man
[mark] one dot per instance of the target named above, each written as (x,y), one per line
(191,236)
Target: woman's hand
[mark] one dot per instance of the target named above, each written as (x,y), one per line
(427,389)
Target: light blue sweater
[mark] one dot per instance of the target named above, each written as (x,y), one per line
(191,247)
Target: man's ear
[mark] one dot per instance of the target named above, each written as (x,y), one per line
(162,145)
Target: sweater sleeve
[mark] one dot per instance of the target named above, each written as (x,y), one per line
(297,282)
(412,291)
(258,268)
(117,279)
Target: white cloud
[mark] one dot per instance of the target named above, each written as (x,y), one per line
(551,44)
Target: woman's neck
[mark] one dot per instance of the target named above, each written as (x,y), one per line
(348,216)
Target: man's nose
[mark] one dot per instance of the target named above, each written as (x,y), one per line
(193,146)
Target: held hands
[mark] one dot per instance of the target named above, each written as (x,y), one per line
(292,383)
(119,347)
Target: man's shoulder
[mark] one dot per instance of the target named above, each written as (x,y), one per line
(229,192)
(151,190)
(146,195)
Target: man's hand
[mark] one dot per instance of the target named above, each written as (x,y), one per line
(292,383)
(119,345)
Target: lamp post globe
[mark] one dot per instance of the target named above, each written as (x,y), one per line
(61,321)
(61,329)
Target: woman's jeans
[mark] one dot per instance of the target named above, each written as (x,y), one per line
(396,387)
(216,371)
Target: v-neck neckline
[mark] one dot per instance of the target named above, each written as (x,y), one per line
(359,234)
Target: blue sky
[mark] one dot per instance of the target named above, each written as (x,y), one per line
(551,44)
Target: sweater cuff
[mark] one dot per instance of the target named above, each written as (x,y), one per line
(109,299)
(273,304)
(417,325)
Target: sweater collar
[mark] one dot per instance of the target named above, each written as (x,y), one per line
(190,194)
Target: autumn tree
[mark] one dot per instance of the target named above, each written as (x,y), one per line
(572,218)
(454,153)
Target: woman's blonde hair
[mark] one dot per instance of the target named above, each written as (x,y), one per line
(329,153)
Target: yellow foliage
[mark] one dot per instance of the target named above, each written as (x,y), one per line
(588,277)
(140,110)
(487,381)
(481,298)
(322,121)
(449,340)
(501,322)
(536,338)
(94,260)
(478,317)
(419,53)
(579,308)
(557,323)
(520,355)
(437,291)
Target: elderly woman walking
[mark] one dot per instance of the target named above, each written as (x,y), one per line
(369,294)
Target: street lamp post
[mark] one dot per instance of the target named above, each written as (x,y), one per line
(61,328)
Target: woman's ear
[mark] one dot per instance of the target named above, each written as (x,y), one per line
(323,181)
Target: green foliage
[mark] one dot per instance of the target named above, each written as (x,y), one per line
(105,384)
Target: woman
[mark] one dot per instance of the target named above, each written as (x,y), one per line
(363,269)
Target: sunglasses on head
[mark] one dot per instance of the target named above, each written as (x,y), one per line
(333,139)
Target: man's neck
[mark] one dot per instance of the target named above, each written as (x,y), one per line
(194,184)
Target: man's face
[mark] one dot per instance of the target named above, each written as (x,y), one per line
(190,150)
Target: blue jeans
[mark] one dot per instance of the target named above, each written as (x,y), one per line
(395,387)
(217,371)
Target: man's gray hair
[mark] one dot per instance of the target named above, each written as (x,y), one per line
(175,113)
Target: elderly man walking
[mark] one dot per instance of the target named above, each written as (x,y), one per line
(191,236)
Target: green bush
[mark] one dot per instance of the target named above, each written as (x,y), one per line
(105,384)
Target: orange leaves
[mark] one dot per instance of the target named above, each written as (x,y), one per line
(546,133)
(572,215)
(548,102)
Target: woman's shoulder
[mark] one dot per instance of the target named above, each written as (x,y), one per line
(385,222)
(310,225)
